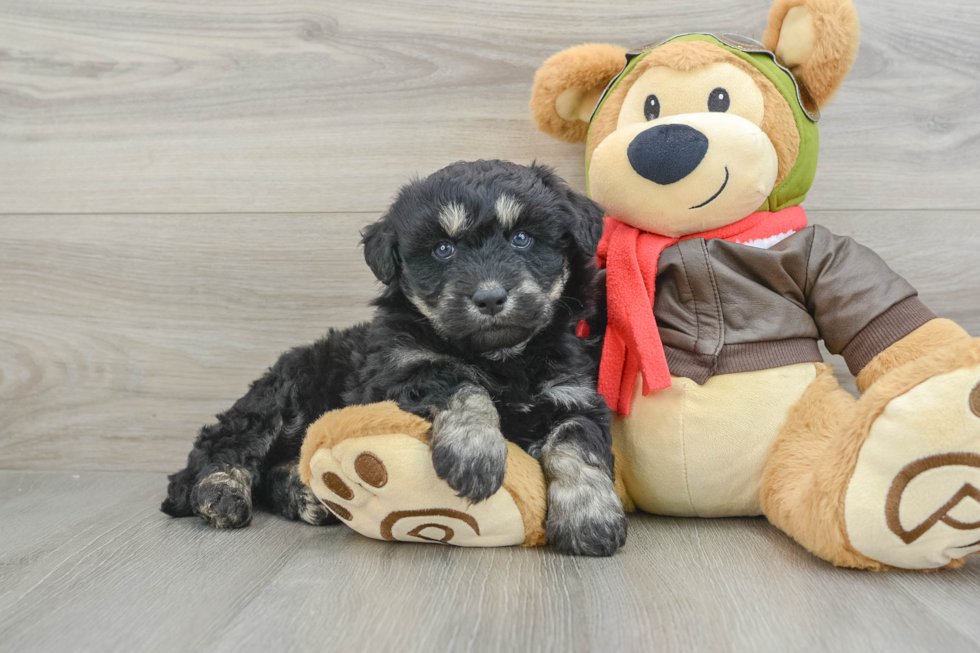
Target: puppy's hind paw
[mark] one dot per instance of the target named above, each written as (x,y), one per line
(313,512)
(224,499)
(178,501)
(293,499)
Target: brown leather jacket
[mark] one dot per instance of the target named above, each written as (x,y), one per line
(723,307)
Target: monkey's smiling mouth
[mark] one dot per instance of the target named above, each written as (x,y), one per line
(715,196)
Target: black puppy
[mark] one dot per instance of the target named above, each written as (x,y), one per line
(487,267)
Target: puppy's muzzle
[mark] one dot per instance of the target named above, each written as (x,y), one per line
(490,301)
(665,154)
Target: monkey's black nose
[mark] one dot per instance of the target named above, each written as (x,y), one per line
(490,301)
(667,153)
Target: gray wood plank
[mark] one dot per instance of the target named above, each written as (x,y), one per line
(708,585)
(121,576)
(935,251)
(28,528)
(112,582)
(298,106)
(125,334)
(121,335)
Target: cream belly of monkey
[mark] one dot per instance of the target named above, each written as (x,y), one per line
(699,450)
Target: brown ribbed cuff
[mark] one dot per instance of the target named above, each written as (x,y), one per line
(746,357)
(885,330)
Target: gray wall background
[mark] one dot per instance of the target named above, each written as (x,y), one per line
(181,184)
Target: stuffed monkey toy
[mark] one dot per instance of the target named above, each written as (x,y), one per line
(702,148)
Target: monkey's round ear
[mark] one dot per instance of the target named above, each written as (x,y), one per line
(568,86)
(818,40)
(381,250)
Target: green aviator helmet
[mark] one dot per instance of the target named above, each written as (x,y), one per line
(793,189)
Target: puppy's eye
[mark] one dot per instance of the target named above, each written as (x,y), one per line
(444,251)
(651,107)
(719,100)
(520,240)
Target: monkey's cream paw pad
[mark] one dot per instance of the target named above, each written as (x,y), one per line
(914,499)
(384,487)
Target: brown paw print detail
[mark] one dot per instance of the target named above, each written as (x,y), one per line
(372,471)
(975,400)
(369,468)
(338,510)
(336,485)
(911,471)
(448,533)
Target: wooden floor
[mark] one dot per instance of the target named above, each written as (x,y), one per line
(181,188)
(87,563)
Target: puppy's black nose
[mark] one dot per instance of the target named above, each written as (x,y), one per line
(490,301)
(667,153)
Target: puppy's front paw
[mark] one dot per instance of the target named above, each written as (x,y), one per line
(585,517)
(224,499)
(576,529)
(468,450)
(474,468)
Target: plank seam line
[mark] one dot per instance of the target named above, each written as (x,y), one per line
(14,214)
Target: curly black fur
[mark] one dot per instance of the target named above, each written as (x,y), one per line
(519,371)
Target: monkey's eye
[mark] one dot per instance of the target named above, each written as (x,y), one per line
(520,240)
(444,251)
(719,100)
(651,107)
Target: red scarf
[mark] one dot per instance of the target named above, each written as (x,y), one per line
(630,256)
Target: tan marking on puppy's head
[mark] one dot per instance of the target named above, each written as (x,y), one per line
(452,217)
(508,210)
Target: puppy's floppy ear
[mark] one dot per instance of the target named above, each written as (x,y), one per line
(585,216)
(586,230)
(818,40)
(569,84)
(381,250)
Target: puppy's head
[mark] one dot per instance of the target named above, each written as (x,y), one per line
(489,252)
